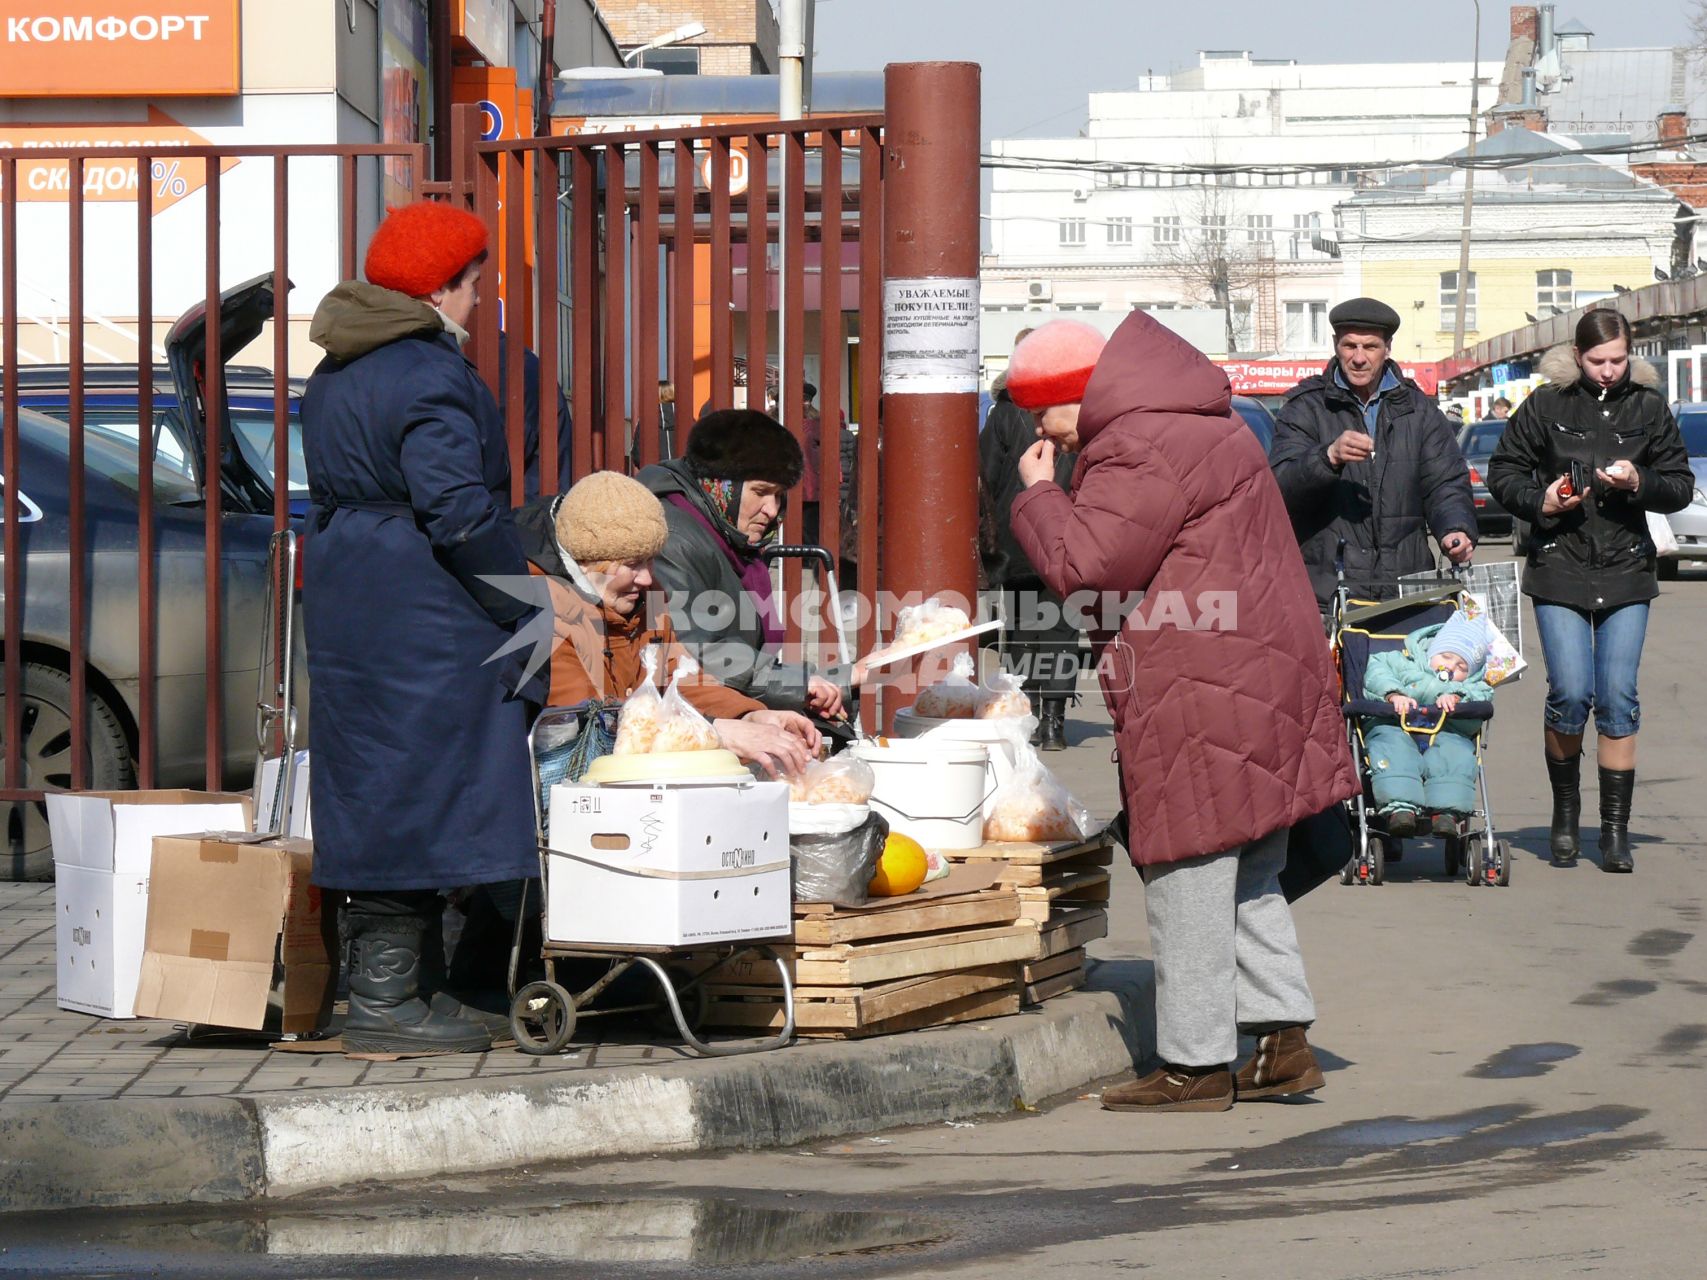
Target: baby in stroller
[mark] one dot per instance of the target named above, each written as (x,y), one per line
(1439,667)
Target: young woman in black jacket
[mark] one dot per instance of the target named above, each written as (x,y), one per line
(1591,565)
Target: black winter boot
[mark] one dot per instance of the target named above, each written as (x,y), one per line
(1566,779)
(1052,731)
(490,1007)
(389,1012)
(1617,788)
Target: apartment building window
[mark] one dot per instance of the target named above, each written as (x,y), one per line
(1259,228)
(1554,293)
(1166,230)
(1449,302)
(1215,230)
(1304,226)
(678,60)
(1072,233)
(1306,326)
(1120,231)
(1243,333)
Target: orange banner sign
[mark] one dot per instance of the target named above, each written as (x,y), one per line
(118,48)
(170,178)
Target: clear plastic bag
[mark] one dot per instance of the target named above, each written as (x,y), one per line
(955,696)
(838,780)
(682,727)
(929,621)
(642,713)
(1033,805)
(1004,699)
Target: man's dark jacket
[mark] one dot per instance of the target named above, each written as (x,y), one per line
(1008,432)
(1384,508)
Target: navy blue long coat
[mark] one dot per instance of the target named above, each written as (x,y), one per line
(420,774)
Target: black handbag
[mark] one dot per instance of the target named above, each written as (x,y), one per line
(1317,850)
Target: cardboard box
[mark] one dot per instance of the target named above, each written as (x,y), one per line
(236,935)
(102,846)
(300,822)
(669,865)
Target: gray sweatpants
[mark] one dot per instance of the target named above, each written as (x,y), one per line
(1225,951)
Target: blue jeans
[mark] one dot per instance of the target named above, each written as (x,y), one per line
(1592,657)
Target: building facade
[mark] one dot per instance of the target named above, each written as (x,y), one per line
(740,35)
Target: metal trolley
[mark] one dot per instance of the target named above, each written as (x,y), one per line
(544,1013)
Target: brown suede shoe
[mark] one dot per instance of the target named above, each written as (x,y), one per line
(1282,1065)
(1173,1089)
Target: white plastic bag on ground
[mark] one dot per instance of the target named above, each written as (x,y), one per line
(1033,805)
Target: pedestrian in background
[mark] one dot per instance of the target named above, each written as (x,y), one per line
(1227,725)
(1039,643)
(1592,568)
(421,773)
(1501,409)
(1366,460)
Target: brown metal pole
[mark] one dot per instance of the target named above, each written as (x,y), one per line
(12,730)
(868,465)
(147,600)
(439,40)
(546,214)
(78,542)
(930,320)
(583,287)
(213,404)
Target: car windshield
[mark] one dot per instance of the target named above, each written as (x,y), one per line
(253,427)
(1257,418)
(1481,438)
(1693,424)
(107,453)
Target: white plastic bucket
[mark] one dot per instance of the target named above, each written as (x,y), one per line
(932,791)
(987,733)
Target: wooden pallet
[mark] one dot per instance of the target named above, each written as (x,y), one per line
(1069,929)
(1044,979)
(847,1011)
(1038,903)
(986,903)
(862,964)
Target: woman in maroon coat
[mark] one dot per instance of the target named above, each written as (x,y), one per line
(1219,683)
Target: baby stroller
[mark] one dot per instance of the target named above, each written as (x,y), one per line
(1360,630)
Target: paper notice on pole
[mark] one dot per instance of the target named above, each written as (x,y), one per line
(930,336)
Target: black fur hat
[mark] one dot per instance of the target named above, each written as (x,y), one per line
(744,444)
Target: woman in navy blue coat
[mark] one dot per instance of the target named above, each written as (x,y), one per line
(421,779)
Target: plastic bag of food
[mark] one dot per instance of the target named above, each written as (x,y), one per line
(929,621)
(1032,805)
(1004,699)
(838,780)
(955,697)
(838,867)
(681,726)
(642,713)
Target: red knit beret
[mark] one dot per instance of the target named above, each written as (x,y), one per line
(1052,364)
(422,247)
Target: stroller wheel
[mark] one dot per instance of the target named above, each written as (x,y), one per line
(542,1018)
(1502,852)
(1473,864)
(1453,846)
(1377,862)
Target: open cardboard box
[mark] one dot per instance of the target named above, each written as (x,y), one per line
(236,935)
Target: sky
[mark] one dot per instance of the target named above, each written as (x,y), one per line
(1041,57)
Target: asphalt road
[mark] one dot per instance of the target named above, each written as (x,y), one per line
(1515,1089)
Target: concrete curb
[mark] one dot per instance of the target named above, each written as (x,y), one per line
(169,1151)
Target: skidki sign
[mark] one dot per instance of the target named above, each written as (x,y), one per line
(170,178)
(118,48)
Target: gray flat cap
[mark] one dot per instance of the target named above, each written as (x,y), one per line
(1364,314)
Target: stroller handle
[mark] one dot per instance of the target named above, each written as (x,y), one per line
(787,552)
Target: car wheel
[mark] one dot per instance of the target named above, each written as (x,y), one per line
(27,853)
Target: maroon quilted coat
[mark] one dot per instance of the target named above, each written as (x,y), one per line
(1219,681)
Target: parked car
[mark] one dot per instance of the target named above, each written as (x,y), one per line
(1477,441)
(1689,526)
(1257,418)
(113,678)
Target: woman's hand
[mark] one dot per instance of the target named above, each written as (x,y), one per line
(778,746)
(1037,464)
(1447,702)
(1402,705)
(1553,505)
(823,698)
(1620,475)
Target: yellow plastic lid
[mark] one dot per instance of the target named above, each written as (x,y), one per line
(668,766)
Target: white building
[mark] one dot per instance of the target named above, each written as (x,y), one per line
(1112,220)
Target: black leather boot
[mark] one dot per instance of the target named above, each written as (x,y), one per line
(389,1013)
(1617,787)
(1052,731)
(490,1007)
(1566,779)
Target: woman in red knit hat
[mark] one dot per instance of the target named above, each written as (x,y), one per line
(1226,724)
(421,775)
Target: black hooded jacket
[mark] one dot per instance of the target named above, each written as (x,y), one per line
(1598,555)
(1385,508)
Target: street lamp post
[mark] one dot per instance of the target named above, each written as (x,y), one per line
(1469,189)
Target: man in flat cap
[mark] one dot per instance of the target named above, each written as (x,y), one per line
(1362,454)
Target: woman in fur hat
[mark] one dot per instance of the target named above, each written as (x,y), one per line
(723,503)
(1591,565)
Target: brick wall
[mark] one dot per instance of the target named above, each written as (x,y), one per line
(734,29)
(1525,21)
(1685,179)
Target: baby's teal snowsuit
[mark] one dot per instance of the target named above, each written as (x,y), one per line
(1442,778)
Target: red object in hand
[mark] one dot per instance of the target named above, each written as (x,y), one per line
(1566,488)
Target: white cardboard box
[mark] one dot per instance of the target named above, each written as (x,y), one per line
(102,846)
(301,824)
(669,865)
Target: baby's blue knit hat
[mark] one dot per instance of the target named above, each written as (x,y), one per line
(1465,636)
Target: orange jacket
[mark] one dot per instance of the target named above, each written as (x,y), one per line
(599,656)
